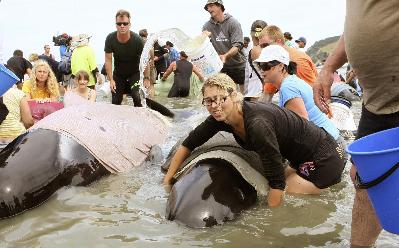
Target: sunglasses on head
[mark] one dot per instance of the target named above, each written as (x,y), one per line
(122,23)
(263,45)
(265,66)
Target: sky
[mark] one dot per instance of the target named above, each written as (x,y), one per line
(30,24)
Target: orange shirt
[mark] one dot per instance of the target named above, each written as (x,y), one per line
(305,69)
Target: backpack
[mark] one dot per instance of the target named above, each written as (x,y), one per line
(64,67)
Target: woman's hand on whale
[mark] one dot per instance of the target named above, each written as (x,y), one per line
(167,188)
(181,154)
(275,197)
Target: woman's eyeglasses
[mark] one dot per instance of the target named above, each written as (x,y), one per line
(122,23)
(217,100)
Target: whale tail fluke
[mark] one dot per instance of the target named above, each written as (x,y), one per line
(159,108)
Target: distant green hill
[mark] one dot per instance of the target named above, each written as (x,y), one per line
(320,50)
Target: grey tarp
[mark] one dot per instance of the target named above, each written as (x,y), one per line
(223,146)
(120,137)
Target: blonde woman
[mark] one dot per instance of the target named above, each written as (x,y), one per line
(274,133)
(43,85)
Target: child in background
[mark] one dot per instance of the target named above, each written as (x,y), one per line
(81,81)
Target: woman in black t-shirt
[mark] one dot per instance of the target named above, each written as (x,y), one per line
(316,161)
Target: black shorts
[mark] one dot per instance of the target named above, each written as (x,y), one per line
(327,167)
(371,123)
(237,74)
(124,85)
(161,68)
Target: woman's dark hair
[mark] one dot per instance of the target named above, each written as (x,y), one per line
(291,68)
(183,54)
(82,75)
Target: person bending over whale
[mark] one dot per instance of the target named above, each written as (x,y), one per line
(274,133)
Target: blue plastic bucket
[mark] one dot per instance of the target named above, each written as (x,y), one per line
(7,79)
(376,157)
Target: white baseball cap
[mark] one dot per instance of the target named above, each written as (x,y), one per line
(274,52)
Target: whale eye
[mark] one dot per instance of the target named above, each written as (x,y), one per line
(210,221)
(239,193)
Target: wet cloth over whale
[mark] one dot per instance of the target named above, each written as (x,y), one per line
(120,137)
(224,146)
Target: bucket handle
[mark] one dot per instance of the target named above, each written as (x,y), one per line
(362,185)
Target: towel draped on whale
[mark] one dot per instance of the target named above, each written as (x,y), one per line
(224,146)
(120,137)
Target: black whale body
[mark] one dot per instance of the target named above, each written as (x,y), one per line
(210,190)
(37,164)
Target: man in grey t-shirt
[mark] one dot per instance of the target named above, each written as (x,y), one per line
(227,39)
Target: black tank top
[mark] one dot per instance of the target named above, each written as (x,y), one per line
(183,72)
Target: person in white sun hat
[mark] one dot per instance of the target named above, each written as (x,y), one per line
(84,58)
(295,94)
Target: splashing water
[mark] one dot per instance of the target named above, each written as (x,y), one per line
(199,50)
(174,35)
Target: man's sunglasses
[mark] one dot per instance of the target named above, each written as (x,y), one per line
(122,23)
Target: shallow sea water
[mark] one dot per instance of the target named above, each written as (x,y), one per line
(127,210)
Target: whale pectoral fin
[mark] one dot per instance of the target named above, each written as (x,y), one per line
(159,108)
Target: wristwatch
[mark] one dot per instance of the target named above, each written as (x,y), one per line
(146,78)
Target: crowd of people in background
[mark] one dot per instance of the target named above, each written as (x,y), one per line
(273,62)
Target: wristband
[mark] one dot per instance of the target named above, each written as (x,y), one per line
(146,78)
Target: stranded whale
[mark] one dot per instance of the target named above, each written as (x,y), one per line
(75,146)
(215,183)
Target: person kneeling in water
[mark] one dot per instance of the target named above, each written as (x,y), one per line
(274,133)
(294,93)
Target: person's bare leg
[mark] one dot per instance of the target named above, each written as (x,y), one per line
(153,75)
(298,185)
(288,171)
(62,90)
(242,89)
(365,226)
(151,90)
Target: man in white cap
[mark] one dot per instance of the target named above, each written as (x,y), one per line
(227,39)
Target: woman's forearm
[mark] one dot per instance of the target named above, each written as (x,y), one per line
(181,154)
